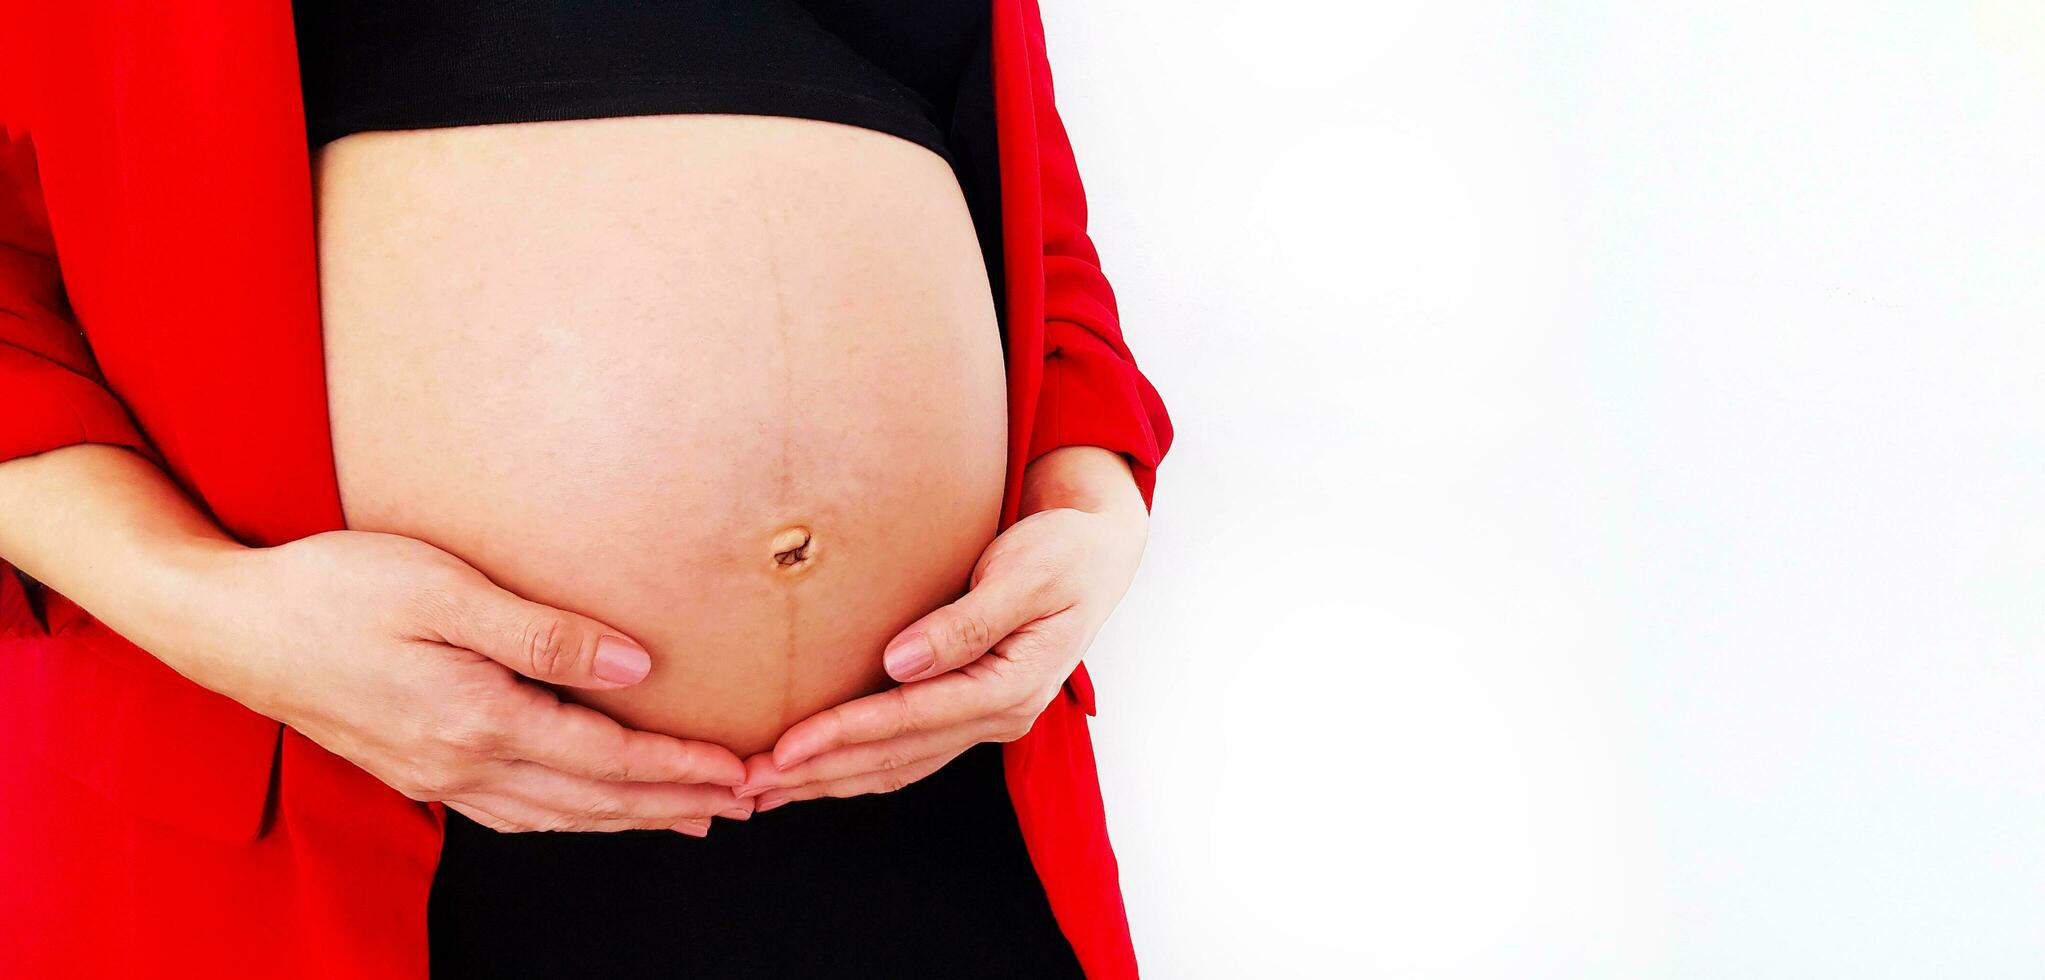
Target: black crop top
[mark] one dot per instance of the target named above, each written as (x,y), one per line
(887,65)
(919,69)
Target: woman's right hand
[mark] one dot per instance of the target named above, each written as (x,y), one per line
(407,662)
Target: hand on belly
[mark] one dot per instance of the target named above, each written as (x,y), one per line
(985,667)
(731,385)
(745,645)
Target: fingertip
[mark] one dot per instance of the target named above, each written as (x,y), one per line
(760,776)
(733,775)
(710,763)
(788,758)
(620,661)
(910,657)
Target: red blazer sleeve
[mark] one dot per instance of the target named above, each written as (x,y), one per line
(1093,393)
(50,387)
(51,392)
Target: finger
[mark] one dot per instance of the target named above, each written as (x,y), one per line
(854,760)
(940,702)
(475,811)
(860,785)
(541,642)
(527,818)
(743,811)
(1011,594)
(761,775)
(582,740)
(577,800)
(538,819)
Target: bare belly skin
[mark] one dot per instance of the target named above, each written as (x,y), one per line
(730,384)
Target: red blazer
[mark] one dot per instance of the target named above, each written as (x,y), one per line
(158,290)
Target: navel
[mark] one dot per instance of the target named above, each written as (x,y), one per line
(794,549)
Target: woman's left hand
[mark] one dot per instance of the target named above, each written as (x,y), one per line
(980,669)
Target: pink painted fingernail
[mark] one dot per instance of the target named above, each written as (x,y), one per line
(693,830)
(737,813)
(621,661)
(910,658)
(769,801)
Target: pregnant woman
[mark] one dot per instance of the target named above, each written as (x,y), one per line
(455,454)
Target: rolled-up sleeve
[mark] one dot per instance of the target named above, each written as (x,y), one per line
(1093,394)
(51,391)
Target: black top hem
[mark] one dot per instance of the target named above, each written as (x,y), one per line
(643,96)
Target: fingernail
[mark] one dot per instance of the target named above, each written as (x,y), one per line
(736,813)
(771,800)
(795,758)
(693,830)
(744,792)
(621,661)
(910,658)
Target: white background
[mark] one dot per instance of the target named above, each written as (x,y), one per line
(1606,536)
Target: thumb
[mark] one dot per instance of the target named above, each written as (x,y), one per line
(958,634)
(544,643)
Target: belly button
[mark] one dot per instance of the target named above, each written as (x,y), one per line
(794,549)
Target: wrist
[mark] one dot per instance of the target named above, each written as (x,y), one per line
(185,608)
(1094,481)
(113,534)
(1087,478)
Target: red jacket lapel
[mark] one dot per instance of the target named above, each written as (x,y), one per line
(170,141)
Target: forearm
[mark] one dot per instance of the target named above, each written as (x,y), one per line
(379,648)
(114,534)
(1086,478)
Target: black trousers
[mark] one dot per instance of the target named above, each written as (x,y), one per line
(929,881)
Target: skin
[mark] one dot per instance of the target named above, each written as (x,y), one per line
(625,366)
(384,650)
(578,588)
(982,668)
(409,663)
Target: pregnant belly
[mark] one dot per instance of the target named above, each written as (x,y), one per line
(730,384)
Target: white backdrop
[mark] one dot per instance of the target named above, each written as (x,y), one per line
(1607,532)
